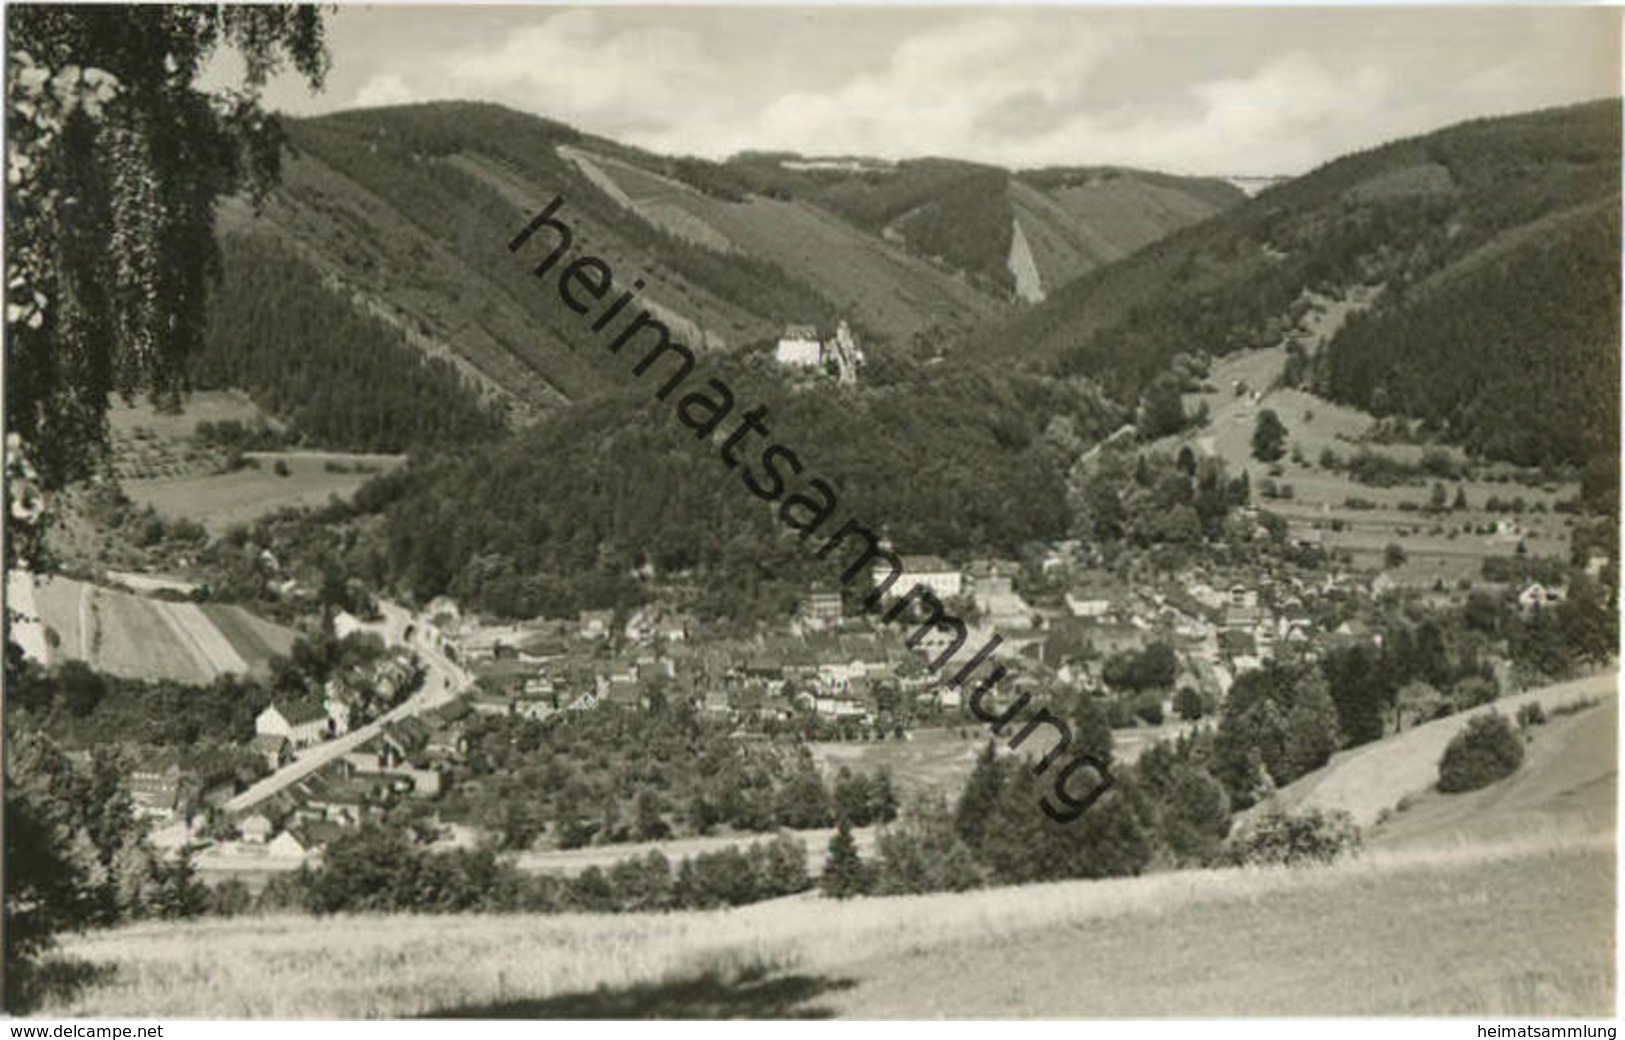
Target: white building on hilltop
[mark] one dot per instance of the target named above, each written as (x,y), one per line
(941,578)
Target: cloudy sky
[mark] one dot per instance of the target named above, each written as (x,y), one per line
(1187,90)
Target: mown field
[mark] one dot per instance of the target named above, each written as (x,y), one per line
(931,763)
(935,762)
(162,464)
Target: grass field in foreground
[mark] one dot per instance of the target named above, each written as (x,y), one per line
(1529,935)
(1508,930)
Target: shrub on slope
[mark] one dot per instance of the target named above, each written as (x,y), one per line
(1487,750)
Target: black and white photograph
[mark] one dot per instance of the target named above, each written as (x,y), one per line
(1078,512)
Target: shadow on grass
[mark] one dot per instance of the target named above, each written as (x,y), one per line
(756,991)
(56,980)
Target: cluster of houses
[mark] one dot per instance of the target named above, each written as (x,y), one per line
(164,791)
(831,662)
(833,665)
(409,760)
(290,725)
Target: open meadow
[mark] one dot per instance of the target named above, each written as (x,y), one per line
(933,762)
(135,637)
(1363,520)
(1368,779)
(161,462)
(220,500)
(1516,929)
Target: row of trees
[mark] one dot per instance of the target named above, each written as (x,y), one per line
(1168,810)
(383,869)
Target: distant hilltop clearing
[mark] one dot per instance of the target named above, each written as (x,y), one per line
(1252,184)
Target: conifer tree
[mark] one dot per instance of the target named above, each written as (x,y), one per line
(845,874)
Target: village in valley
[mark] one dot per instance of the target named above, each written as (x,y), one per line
(1294,578)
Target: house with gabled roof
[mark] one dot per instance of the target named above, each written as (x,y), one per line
(1536,596)
(586,702)
(256,828)
(287,846)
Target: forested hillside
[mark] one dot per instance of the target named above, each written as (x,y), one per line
(1430,220)
(409,211)
(1508,355)
(558,517)
(406,212)
(340,378)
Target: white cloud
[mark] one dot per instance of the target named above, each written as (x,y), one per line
(1016,90)
(932,97)
(1185,91)
(1275,119)
(570,67)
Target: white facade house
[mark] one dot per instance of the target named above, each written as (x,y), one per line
(1088,605)
(936,574)
(836,707)
(302,726)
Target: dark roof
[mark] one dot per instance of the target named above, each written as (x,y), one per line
(297,712)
